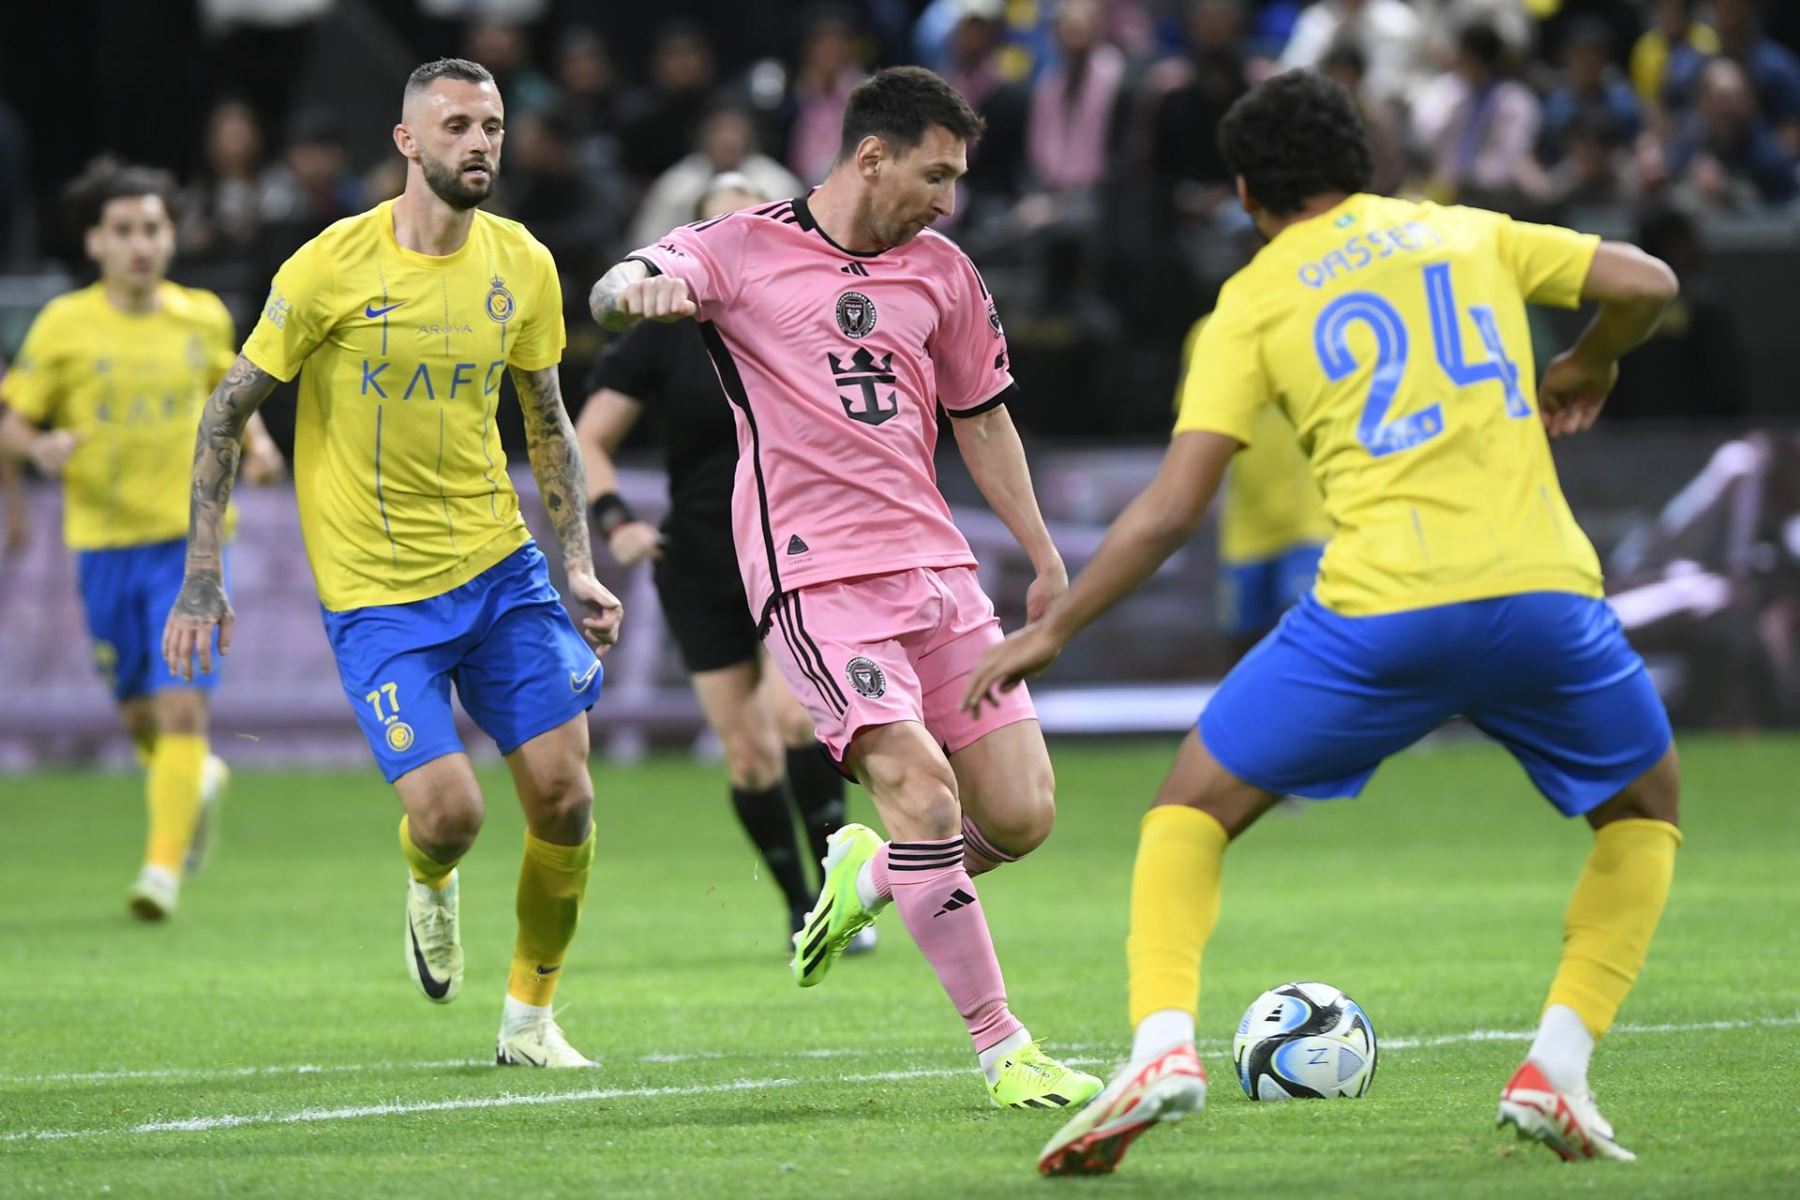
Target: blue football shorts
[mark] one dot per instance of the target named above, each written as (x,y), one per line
(1321,701)
(126,593)
(1257,592)
(503,638)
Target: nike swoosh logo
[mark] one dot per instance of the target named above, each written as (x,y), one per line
(577,682)
(432,987)
(369,310)
(549,970)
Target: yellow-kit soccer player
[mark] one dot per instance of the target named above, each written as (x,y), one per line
(106,393)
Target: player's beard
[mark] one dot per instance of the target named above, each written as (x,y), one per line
(447,183)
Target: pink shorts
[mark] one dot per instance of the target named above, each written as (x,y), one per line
(887,648)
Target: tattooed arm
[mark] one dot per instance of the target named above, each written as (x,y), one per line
(202,603)
(628,294)
(562,482)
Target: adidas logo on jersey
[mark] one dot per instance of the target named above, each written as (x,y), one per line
(855,269)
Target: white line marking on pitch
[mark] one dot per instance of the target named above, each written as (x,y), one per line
(510,1099)
(504,1100)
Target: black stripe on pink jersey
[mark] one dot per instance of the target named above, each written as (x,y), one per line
(733,383)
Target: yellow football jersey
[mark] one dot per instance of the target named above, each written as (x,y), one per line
(1392,334)
(131,385)
(398,468)
(1270,503)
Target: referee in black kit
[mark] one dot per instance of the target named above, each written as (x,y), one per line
(773,761)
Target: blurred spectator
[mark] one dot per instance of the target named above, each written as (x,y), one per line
(1724,156)
(1591,94)
(1674,45)
(309,188)
(1191,177)
(501,47)
(1772,72)
(221,210)
(1388,32)
(666,118)
(1444,20)
(1345,64)
(591,93)
(823,80)
(1478,125)
(1072,105)
(727,142)
(973,67)
(571,212)
(1594,170)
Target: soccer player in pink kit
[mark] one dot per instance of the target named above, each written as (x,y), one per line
(839,324)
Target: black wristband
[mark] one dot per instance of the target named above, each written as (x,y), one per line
(610,512)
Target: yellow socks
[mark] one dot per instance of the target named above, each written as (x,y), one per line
(1612,916)
(173,797)
(425,869)
(1174,906)
(552,883)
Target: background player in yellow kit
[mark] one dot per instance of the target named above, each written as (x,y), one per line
(401,323)
(106,393)
(1393,335)
(1272,525)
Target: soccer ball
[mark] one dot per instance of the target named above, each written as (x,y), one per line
(1304,1041)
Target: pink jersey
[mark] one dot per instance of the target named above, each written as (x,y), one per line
(835,364)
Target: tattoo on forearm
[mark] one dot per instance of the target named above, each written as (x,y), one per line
(556,461)
(603,300)
(217,448)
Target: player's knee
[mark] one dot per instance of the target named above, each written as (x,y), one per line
(918,800)
(1023,824)
(181,713)
(755,761)
(447,826)
(564,805)
(1653,796)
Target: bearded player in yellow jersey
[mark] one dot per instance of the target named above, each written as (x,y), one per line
(401,323)
(106,393)
(1393,335)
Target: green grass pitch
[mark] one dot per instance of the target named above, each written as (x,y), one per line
(267,1043)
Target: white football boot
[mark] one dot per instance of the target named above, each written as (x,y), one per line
(1567,1122)
(153,896)
(536,1041)
(434,956)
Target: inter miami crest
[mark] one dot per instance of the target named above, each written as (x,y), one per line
(856,315)
(867,678)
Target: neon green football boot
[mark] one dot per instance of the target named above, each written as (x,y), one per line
(1029,1078)
(838,914)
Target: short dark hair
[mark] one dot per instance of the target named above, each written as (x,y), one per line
(900,104)
(107,179)
(426,74)
(1294,137)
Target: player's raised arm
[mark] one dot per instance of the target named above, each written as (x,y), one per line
(1634,290)
(629,293)
(991,449)
(562,482)
(1152,527)
(202,603)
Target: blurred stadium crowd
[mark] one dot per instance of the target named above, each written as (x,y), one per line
(1097,205)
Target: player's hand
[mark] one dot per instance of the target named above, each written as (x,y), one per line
(1573,392)
(602,610)
(1026,652)
(262,462)
(1051,584)
(51,452)
(658,298)
(200,607)
(633,542)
